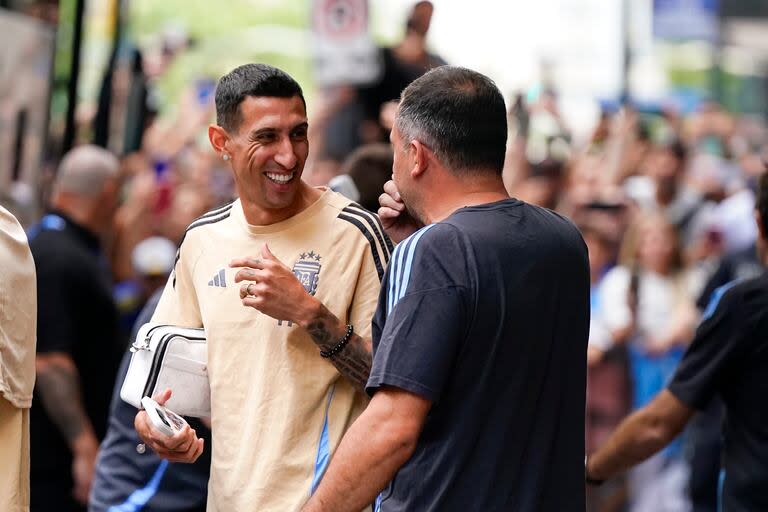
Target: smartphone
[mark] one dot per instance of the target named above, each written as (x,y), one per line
(162,418)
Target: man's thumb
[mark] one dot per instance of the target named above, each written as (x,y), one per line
(163,397)
(266,253)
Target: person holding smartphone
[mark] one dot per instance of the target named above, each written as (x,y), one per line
(285,281)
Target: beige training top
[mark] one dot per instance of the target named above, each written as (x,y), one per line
(18,313)
(278,409)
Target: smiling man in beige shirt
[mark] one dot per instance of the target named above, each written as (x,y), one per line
(285,281)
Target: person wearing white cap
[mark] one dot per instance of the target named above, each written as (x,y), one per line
(152,260)
(154,256)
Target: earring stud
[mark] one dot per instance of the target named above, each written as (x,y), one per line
(225,157)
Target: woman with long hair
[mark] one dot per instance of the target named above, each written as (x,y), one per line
(647,304)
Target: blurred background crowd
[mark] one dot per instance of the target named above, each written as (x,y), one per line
(643,121)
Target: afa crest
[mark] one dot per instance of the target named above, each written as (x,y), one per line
(307,270)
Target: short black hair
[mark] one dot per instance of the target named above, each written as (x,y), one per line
(460,115)
(251,80)
(761,204)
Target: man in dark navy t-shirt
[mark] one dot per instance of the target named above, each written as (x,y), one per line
(479,340)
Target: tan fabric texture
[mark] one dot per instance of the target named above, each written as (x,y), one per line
(14,457)
(18,313)
(271,392)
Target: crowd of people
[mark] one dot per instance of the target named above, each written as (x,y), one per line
(462,413)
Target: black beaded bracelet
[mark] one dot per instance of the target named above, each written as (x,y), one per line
(340,345)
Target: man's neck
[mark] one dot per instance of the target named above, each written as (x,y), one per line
(78,212)
(447,199)
(256,215)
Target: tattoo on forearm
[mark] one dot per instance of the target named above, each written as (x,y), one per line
(320,334)
(354,361)
(60,393)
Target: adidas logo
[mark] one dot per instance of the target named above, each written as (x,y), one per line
(218,280)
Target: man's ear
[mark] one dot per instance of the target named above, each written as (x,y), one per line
(219,138)
(421,156)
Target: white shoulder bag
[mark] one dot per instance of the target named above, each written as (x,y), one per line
(166,356)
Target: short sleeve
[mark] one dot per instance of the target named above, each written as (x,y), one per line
(416,343)
(179,305)
(710,356)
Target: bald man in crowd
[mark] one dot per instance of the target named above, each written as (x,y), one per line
(79,344)
(17,361)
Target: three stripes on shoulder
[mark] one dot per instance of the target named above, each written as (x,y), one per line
(371,228)
(216,215)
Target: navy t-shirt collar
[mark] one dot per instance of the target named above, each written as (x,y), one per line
(501,203)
